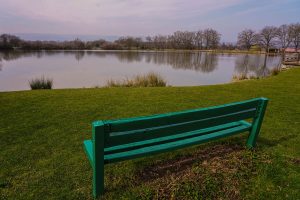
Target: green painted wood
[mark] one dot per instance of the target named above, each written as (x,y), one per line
(88,147)
(171,138)
(151,133)
(118,140)
(179,117)
(98,152)
(257,122)
(173,145)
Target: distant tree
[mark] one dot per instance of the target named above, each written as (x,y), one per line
(160,41)
(111,46)
(198,39)
(247,38)
(129,42)
(78,44)
(182,40)
(227,46)
(284,35)
(295,34)
(96,44)
(149,43)
(211,38)
(267,36)
(8,41)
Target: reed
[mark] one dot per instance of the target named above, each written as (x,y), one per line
(41,83)
(275,71)
(239,77)
(148,80)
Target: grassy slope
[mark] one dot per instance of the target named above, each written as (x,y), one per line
(41,134)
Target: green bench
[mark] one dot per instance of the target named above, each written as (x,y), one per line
(124,139)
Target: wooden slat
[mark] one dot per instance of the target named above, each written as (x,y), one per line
(178,117)
(161,140)
(119,138)
(173,145)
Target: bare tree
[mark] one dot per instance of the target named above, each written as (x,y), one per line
(267,37)
(211,38)
(160,41)
(8,41)
(284,35)
(149,42)
(182,40)
(198,39)
(295,34)
(247,38)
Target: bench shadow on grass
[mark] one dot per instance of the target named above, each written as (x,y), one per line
(181,163)
(274,142)
(164,165)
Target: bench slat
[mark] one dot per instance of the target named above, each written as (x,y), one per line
(160,140)
(119,138)
(178,117)
(173,145)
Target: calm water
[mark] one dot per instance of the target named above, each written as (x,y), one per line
(78,69)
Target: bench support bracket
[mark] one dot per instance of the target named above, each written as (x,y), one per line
(256,124)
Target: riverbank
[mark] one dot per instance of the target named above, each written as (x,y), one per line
(41,135)
(150,50)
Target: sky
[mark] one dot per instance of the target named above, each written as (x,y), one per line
(142,18)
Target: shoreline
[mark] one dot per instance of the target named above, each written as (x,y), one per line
(149,50)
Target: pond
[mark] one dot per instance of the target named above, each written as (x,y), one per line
(79,69)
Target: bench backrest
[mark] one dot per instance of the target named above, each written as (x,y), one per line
(124,131)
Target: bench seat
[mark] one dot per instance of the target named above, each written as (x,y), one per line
(149,147)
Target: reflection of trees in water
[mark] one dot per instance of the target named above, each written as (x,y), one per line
(263,70)
(79,55)
(205,62)
(256,65)
(129,56)
(0,63)
(13,55)
(210,62)
(100,54)
(249,64)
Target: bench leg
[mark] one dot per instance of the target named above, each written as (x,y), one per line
(98,181)
(98,169)
(256,124)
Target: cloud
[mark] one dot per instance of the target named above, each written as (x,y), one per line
(115,12)
(130,17)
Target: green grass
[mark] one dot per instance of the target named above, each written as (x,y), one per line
(41,135)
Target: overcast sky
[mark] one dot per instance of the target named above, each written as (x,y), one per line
(141,18)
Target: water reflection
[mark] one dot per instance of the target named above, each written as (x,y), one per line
(256,65)
(79,55)
(199,61)
(96,67)
(204,62)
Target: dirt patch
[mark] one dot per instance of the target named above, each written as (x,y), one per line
(296,161)
(177,165)
(211,173)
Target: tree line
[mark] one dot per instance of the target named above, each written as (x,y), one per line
(287,35)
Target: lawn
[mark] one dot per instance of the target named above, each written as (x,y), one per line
(42,156)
